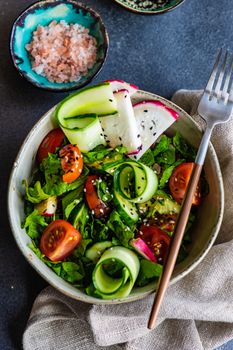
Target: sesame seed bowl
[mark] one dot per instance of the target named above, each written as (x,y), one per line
(58,45)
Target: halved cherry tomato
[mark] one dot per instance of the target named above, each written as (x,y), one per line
(71,162)
(156,239)
(179,181)
(59,240)
(100,209)
(49,144)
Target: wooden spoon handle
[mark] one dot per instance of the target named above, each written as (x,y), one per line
(175,244)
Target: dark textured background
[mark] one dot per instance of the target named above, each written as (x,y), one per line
(159,53)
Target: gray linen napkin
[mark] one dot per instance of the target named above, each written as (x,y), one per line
(197,312)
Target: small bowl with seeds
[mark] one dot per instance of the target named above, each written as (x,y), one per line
(58,45)
(150,7)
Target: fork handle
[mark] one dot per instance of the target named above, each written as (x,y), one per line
(179,228)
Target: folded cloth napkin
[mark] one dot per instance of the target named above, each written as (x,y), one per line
(197,312)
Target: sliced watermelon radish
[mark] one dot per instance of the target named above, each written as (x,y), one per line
(47,207)
(117,85)
(153,118)
(121,128)
(142,248)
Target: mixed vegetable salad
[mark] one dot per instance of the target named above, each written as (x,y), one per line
(102,203)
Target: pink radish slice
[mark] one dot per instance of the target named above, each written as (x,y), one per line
(118,85)
(121,128)
(142,248)
(153,118)
(47,207)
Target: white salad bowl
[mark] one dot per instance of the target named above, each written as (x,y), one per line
(204,230)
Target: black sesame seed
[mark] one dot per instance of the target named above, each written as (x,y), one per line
(135,157)
(139,187)
(125,96)
(145,110)
(101,134)
(151,127)
(123,205)
(120,138)
(138,135)
(154,133)
(103,129)
(153,122)
(143,178)
(110,100)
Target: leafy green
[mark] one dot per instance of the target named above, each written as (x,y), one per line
(69,271)
(100,231)
(186,150)
(54,185)
(34,224)
(71,200)
(148,158)
(123,232)
(168,172)
(81,220)
(148,272)
(72,272)
(80,250)
(104,158)
(34,194)
(162,146)
(167,157)
(103,190)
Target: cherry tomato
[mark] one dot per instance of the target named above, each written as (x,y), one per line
(156,239)
(71,162)
(59,239)
(100,209)
(179,181)
(49,144)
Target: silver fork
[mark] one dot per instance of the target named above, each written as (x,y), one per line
(215,107)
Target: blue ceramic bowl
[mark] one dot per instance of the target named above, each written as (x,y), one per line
(43,12)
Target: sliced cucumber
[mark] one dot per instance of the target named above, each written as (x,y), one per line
(109,287)
(84,131)
(97,249)
(160,203)
(96,99)
(145,182)
(126,209)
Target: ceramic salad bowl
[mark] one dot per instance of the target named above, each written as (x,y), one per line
(42,13)
(204,231)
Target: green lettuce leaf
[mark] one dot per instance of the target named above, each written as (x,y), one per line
(122,232)
(187,151)
(71,200)
(103,190)
(34,194)
(34,224)
(81,220)
(162,146)
(148,272)
(100,231)
(167,157)
(54,186)
(147,158)
(168,172)
(105,158)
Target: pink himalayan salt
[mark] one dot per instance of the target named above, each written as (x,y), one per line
(62,52)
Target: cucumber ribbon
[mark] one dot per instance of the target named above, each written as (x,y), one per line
(135,181)
(107,287)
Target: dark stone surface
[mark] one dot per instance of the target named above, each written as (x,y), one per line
(159,53)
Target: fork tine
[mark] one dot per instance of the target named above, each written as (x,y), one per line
(228,77)
(210,83)
(220,78)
